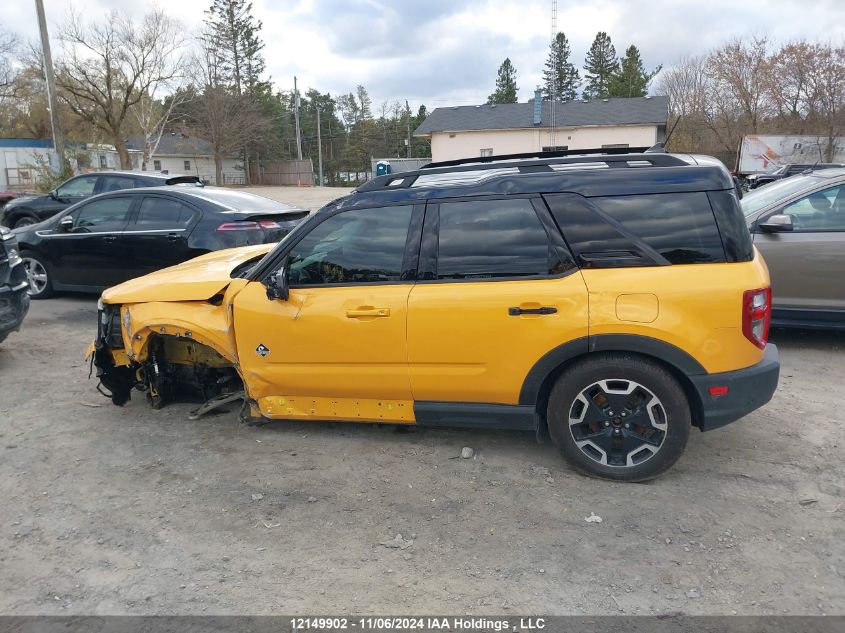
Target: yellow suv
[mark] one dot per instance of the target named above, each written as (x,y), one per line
(609,301)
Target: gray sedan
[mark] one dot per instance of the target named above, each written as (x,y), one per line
(798,224)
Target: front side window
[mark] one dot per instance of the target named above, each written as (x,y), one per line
(820,211)
(78,187)
(101,215)
(356,246)
(483,239)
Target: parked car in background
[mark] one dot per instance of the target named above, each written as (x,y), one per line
(14,300)
(757,180)
(798,224)
(8,196)
(113,237)
(26,210)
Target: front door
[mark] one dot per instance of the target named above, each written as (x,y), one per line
(336,348)
(90,253)
(806,264)
(497,290)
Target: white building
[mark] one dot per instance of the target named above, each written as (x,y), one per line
(180,154)
(514,128)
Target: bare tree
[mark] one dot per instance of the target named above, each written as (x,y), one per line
(108,68)
(218,113)
(789,83)
(8,51)
(827,86)
(739,70)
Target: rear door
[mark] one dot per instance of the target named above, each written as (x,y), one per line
(807,264)
(157,236)
(496,290)
(90,253)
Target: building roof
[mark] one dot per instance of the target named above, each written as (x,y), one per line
(513,116)
(26,142)
(175,144)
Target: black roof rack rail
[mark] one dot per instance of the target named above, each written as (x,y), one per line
(556,154)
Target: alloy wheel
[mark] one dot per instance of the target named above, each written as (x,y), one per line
(618,422)
(36,274)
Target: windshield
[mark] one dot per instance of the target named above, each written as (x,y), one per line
(763,197)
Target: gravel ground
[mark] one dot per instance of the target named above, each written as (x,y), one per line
(111,510)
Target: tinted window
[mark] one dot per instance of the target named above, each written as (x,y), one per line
(736,238)
(78,187)
(115,183)
(679,226)
(110,213)
(357,246)
(163,211)
(493,238)
(641,230)
(820,211)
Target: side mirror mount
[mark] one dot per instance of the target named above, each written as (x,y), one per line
(66,224)
(53,194)
(278,286)
(780,223)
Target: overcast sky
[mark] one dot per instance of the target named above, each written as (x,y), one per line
(446,52)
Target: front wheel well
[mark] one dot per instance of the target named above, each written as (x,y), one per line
(542,403)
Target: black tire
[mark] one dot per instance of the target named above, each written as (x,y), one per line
(38,290)
(643,438)
(25,220)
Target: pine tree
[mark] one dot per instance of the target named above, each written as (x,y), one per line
(560,77)
(600,65)
(631,78)
(236,31)
(506,88)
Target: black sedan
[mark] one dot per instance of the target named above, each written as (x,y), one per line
(26,210)
(110,238)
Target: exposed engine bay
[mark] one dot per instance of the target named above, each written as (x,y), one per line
(172,368)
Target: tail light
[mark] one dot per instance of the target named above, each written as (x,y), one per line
(268,224)
(757,315)
(239,226)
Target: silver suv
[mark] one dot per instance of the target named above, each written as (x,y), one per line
(799,225)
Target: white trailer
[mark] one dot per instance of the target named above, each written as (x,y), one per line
(761,153)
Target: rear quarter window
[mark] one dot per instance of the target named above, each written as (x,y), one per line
(640,230)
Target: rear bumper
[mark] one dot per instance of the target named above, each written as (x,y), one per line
(748,389)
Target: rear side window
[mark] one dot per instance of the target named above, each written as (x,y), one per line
(484,239)
(640,230)
(164,211)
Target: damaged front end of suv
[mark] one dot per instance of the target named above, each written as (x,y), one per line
(169,334)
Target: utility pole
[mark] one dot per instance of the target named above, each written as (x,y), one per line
(408,111)
(319,148)
(49,76)
(296,118)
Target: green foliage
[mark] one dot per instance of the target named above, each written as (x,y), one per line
(631,78)
(600,66)
(235,31)
(506,88)
(560,77)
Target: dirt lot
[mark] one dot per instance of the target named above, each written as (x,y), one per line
(107,510)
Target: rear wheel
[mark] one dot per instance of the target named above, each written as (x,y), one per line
(619,416)
(38,276)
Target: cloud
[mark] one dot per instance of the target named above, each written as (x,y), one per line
(446,52)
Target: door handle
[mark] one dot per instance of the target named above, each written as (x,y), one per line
(361,313)
(110,238)
(542,310)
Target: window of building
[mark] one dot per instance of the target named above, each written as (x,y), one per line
(615,146)
(102,158)
(484,239)
(187,165)
(556,148)
(357,246)
(157,165)
(487,152)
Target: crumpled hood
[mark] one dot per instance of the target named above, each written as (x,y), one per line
(197,279)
